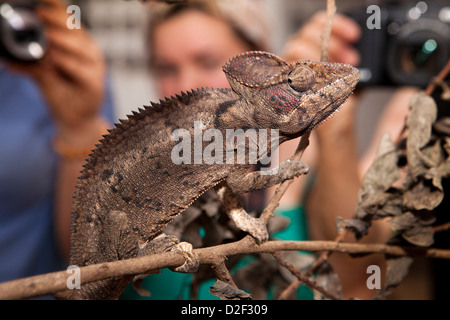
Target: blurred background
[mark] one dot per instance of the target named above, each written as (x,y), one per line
(411,46)
(119,27)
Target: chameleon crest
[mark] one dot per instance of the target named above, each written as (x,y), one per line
(130,188)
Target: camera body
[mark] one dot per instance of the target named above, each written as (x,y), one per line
(21,31)
(410,47)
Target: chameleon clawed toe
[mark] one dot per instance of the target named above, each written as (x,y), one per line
(191,263)
(143,173)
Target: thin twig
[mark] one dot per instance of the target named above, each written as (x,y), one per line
(222,273)
(289,290)
(438,79)
(281,189)
(302,278)
(441,227)
(325,37)
(325,255)
(331,11)
(50,283)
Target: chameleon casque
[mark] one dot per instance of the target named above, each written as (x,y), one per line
(130,189)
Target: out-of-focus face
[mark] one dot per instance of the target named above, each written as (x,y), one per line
(189,50)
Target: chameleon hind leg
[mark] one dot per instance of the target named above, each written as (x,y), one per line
(239,181)
(164,243)
(124,243)
(118,241)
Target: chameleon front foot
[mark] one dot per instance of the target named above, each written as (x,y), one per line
(165,243)
(243,221)
(191,263)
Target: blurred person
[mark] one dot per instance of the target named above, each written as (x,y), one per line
(338,168)
(52,112)
(188,45)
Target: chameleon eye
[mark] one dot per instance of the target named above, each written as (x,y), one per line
(301,78)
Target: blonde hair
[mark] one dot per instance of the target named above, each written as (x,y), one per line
(243,16)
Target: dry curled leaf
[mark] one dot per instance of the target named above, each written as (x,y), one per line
(422,195)
(442,126)
(227,292)
(257,276)
(407,198)
(422,115)
(277,223)
(137,285)
(397,270)
(378,179)
(373,200)
(357,226)
(329,281)
(419,236)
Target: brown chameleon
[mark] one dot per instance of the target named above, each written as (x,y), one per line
(130,187)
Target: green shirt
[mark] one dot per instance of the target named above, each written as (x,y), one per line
(169,285)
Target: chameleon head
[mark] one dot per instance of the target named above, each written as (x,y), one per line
(299,95)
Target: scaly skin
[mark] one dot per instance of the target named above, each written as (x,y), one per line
(130,188)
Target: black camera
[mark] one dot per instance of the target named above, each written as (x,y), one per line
(21,31)
(408,45)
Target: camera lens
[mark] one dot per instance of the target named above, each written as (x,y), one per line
(418,52)
(420,57)
(22,34)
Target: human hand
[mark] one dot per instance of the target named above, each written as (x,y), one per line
(306,43)
(71,75)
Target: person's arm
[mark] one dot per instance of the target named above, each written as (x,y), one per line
(71,77)
(337,174)
(335,157)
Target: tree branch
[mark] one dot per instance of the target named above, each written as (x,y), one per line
(301,278)
(325,37)
(281,189)
(51,283)
(439,79)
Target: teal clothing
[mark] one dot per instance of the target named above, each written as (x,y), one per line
(169,285)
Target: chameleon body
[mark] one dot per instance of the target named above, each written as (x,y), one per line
(130,188)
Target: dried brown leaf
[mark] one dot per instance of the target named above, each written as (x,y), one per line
(442,126)
(402,222)
(378,178)
(420,236)
(137,285)
(423,113)
(257,276)
(397,270)
(227,292)
(423,195)
(277,223)
(329,281)
(358,227)
(444,168)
